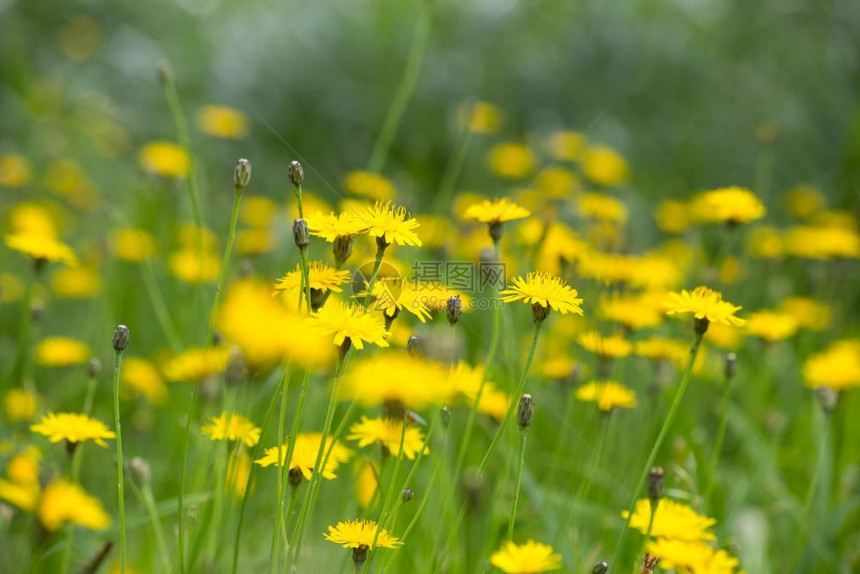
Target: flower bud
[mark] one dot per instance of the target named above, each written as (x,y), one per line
(827,398)
(94,368)
(317,299)
(242,174)
(453,309)
(496,231)
(700,325)
(731,366)
(359,556)
(140,471)
(413,346)
(407,494)
(656,484)
(601,567)
(539,312)
(294,477)
(342,248)
(301,234)
(37,310)
(525,411)
(297,173)
(120,338)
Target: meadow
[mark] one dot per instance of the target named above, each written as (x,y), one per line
(427,287)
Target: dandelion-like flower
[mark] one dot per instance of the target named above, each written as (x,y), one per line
(498,210)
(837,367)
(72,427)
(165,158)
(331,226)
(322,278)
(731,205)
(143,377)
(222,122)
(771,325)
(602,208)
(544,292)
(388,432)
(370,185)
(390,224)
(62,352)
(613,346)
(396,377)
(357,533)
(391,295)
(671,520)
(350,321)
(607,395)
(42,248)
(529,558)
(304,455)
(633,312)
(63,502)
(196,364)
(232,426)
(706,305)
(687,556)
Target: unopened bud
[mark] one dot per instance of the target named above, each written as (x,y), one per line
(656,484)
(407,494)
(496,231)
(731,367)
(342,248)
(37,310)
(827,398)
(297,174)
(381,244)
(94,368)
(317,299)
(525,411)
(140,471)
(301,234)
(359,556)
(601,567)
(539,312)
(294,477)
(413,346)
(700,325)
(242,174)
(453,309)
(120,338)
(165,74)
(446,417)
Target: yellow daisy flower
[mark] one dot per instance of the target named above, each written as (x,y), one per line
(350,321)
(73,427)
(672,520)
(304,455)
(731,205)
(466,380)
(165,158)
(687,556)
(192,266)
(395,377)
(613,346)
(772,325)
(370,185)
(76,282)
(360,533)
(512,160)
(704,304)
(837,367)
(232,426)
(42,248)
(390,224)
(14,171)
(331,226)
(222,122)
(605,166)
(141,376)
(480,117)
(19,405)
(196,364)
(392,295)
(387,432)
(133,245)
(529,558)
(607,395)
(495,211)
(602,207)
(62,352)
(632,311)
(544,292)
(63,502)
(322,278)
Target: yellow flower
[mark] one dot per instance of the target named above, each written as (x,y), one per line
(395,377)
(391,224)
(694,557)
(393,294)
(196,364)
(766,242)
(254,241)
(76,282)
(62,352)
(810,314)
(565,145)
(706,304)
(19,405)
(44,248)
(388,432)
(837,367)
(369,185)
(811,242)
(481,117)
(602,207)
(632,311)
(658,349)
(804,201)
(607,395)
(63,502)
(305,455)
(466,379)
(732,205)
(232,426)
(191,266)
(614,346)
(14,171)
(365,483)
(672,520)
(511,160)
(222,122)
(322,278)
(22,487)
(72,427)
(130,244)
(23,495)
(771,325)
(604,165)
(142,376)
(165,158)
(557,366)
(257,210)
(238,469)
(496,211)
(31,218)
(359,534)
(529,558)
(332,226)
(350,321)
(545,291)
(672,216)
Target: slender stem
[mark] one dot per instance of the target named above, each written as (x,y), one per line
(162,314)
(152,512)
(404,91)
(652,456)
(222,274)
(452,170)
(90,396)
(74,473)
(718,443)
(275,550)
(380,252)
(25,347)
(562,436)
(119,474)
(520,463)
(182,476)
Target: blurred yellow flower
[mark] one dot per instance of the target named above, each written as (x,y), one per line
(191,266)
(602,207)
(369,185)
(556,182)
(529,558)
(142,376)
(630,310)
(567,145)
(391,224)
(607,395)
(22,487)
(165,158)
(238,470)
(69,179)
(347,321)
(42,248)
(232,427)
(19,405)
(511,160)
(691,556)
(11,287)
(72,427)
(659,349)
(254,241)
(466,379)
(436,230)
(809,313)
(305,453)
(63,502)
(605,166)
(131,244)
(31,218)
(672,520)
(837,367)
(257,210)
(481,117)
(14,171)
(395,377)
(706,304)
(194,365)
(727,337)
(804,201)
(388,432)
(766,242)
(771,325)
(613,346)
(76,282)
(545,291)
(62,352)
(365,483)
(80,38)
(672,216)
(822,242)
(222,122)
(495,211)
(732,205)
(360,533)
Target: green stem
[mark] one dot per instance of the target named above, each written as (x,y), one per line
(162,314)
(119,473)
(652,456)
(25,346)
(275,550)
(718,443)
(562,437)
(453,170)
(74,473)
(144,493)
(182,477)
(377,263)
(520,463)
(222,274)
(404,91)
(90,396)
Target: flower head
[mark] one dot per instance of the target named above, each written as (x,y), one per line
(350,321)
(544,290)
(165,158)
(613,346)
(19,404)
(130,244)
(322,277)
(837,367)
(772,325)
(143,377)
(529,558)
(511,160)
(331,226)
(498,210)
(370,185)
(357,533)
(607,395)
(602,208)
(62,352)
(388,432)
(196,364)
(63,502)
(728,205)
(42,247)
(704,303)
(692,556)
(304,455)
(672,520)
(395,377)
(393,294)
(222,122)
(632,311)
(72,427)
(602,164)
(391,224)
(232,426)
